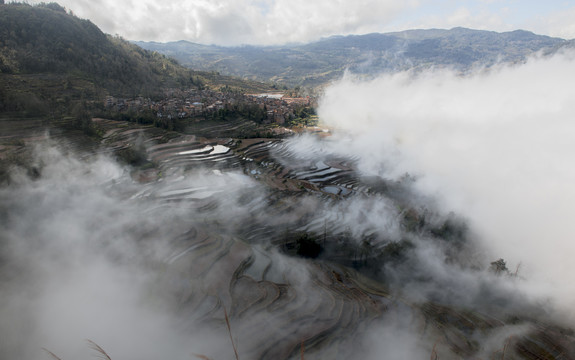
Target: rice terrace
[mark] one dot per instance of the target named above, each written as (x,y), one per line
(365,196)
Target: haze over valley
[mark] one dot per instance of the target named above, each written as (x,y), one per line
(391,195)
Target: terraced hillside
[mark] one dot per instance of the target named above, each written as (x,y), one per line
(232,239)
(280,243)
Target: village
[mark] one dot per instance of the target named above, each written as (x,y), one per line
(267,108)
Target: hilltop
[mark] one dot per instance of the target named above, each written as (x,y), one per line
(50,59)
(180,205)
(319,62)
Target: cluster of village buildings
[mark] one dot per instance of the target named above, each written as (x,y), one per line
(204,103)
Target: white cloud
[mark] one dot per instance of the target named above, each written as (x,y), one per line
(464,17)
(496,147)
(227,22)
(80,248)
(560,24)
(265,22)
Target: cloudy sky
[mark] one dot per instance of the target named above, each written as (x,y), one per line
(266,22)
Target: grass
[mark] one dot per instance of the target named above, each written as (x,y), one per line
(200,356)
(434,352)
(230,332)
(97,348)
(102,354)
(54,356)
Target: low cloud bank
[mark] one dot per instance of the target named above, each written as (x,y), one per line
(83,250)
(494,146)
(226,22)
(86,253)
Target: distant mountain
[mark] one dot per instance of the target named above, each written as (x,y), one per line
(319,62)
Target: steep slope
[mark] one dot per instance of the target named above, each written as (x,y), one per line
(225,233)
(50,58)
(45,39)
(273,236)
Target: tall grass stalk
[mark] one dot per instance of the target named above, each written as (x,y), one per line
(230,332)
(54,356)
(98,349)
(200,356)
(506,343)
(434,353)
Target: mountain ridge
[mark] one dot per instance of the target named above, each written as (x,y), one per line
(288,241)
(322,61)
(50,58)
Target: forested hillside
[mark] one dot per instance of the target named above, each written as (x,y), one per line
(50,58)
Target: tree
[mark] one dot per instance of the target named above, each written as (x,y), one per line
(308,246)
(52,6)
(499,267)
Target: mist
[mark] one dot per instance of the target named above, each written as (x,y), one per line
(85,252)
(441,173)
(494,146)
(145,270)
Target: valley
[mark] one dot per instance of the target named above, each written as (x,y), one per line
(167,212)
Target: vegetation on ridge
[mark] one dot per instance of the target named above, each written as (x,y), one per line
(50,59)
(319,62)
(225,205)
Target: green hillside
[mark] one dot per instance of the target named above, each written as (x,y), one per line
(50,59)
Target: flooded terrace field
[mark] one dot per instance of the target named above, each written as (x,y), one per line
(280,242)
